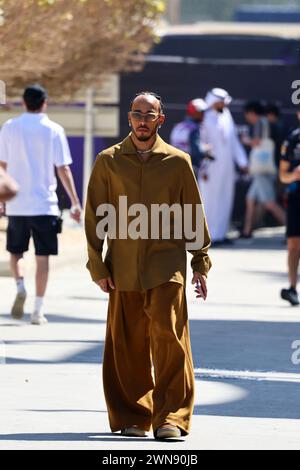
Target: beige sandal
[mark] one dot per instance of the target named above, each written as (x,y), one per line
(168,432)
(133,431)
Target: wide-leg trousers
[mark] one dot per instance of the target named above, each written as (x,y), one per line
(148,373)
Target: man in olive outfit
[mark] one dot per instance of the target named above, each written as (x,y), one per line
(145,277)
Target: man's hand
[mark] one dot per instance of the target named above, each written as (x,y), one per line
(75,212)
(105,284)
(200,287)
(66,177)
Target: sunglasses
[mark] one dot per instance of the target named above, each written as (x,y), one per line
(147,117)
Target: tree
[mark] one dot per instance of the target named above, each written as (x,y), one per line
(68,45)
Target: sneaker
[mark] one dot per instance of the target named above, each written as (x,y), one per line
(38,318)
(133,431)
(17,310)
(167,432)
(290,295)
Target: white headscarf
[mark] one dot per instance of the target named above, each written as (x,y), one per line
(216,95)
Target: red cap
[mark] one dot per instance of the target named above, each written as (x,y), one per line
(196,106)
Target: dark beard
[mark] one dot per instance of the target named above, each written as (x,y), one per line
(143,138)
(146,138)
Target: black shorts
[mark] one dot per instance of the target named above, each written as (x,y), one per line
(42,228)
(293,216)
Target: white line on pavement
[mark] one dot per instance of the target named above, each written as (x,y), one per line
(249,375)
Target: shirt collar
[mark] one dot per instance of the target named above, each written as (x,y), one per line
(128,147)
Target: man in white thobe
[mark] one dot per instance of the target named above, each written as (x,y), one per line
(217,179)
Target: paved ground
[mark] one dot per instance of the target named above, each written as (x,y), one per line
(247,385)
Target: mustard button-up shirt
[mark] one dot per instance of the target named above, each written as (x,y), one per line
(167,177)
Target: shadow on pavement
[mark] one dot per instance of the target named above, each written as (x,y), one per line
(248,346)
(244,345)
(106,437)
(231,346)
(52,317)
(273,242)
(271,274)
(236,305)
(91,355)
(263,399)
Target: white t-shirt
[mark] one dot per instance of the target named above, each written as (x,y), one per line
(32,145)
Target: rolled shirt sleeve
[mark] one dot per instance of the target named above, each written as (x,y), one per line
(62,154)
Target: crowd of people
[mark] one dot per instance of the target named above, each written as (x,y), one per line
(208,133)
(268,153)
